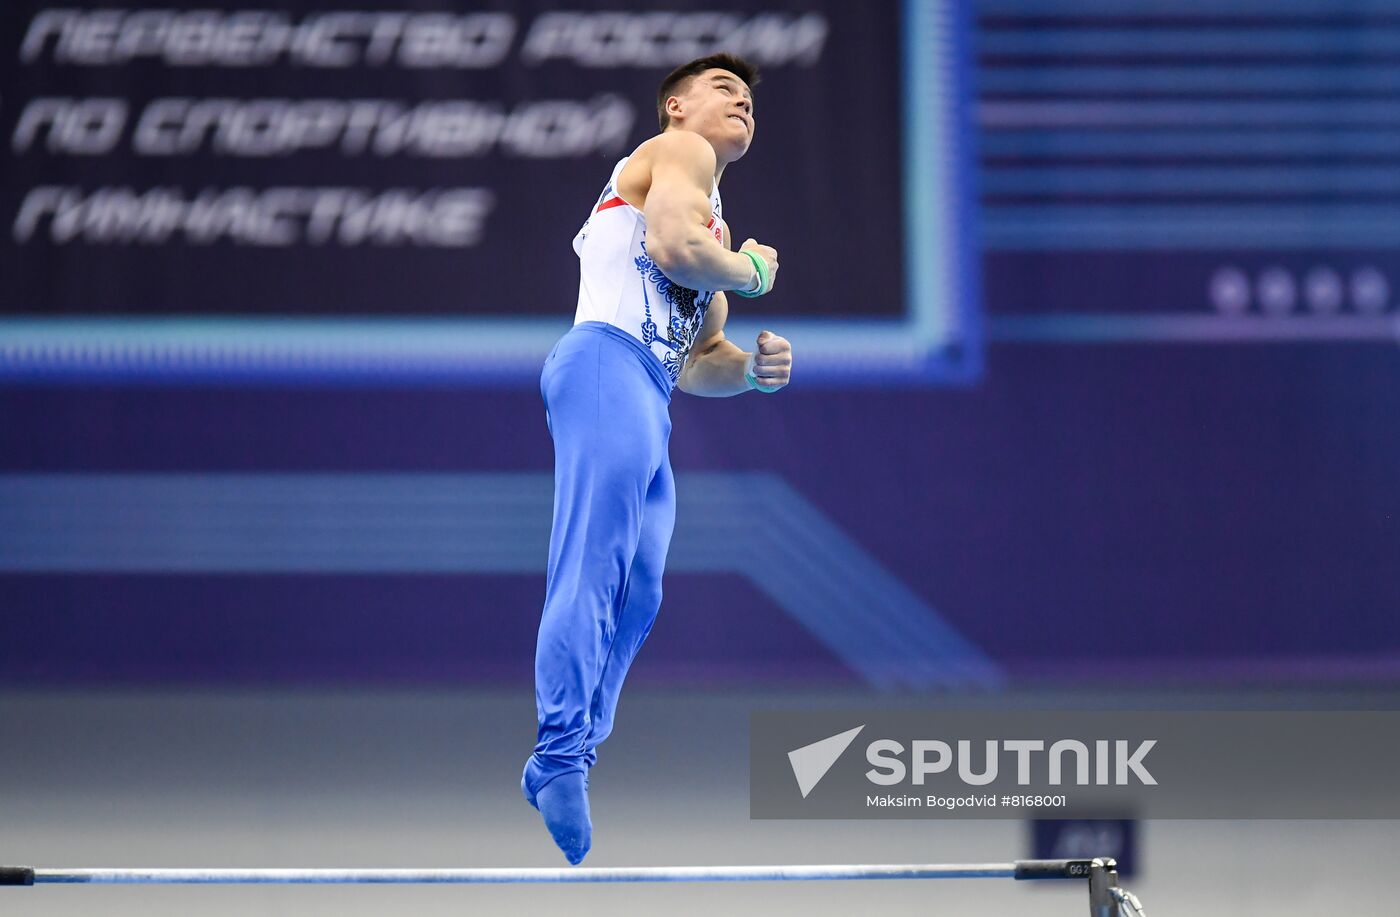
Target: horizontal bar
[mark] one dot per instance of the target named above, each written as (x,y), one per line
(519,876)
(16,875)
(1057,869)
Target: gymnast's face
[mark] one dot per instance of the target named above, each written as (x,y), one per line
(718,106)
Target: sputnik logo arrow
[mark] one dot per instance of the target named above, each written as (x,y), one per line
(811,762)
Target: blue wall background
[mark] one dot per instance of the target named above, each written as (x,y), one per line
(1180,463)
(1089,512)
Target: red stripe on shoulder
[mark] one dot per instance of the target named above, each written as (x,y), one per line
(610,203)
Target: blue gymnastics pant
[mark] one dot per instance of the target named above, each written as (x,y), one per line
(607,403)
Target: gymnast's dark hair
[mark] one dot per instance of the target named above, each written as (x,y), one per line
(677,81)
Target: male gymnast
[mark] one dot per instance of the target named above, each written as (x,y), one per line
(654,262)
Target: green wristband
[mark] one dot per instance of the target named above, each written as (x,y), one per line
(752,380)
(765,281)
(759,386)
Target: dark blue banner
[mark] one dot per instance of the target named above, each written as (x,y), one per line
(413,159)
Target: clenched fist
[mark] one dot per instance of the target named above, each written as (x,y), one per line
(770,366)
(770,259)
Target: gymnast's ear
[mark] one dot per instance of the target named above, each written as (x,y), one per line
(674,106)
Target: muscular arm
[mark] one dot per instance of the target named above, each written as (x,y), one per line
(677,211)
(716,365)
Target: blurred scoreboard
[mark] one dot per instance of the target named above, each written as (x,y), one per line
(235,192)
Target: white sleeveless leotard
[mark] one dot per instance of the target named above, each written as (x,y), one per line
(621,285)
